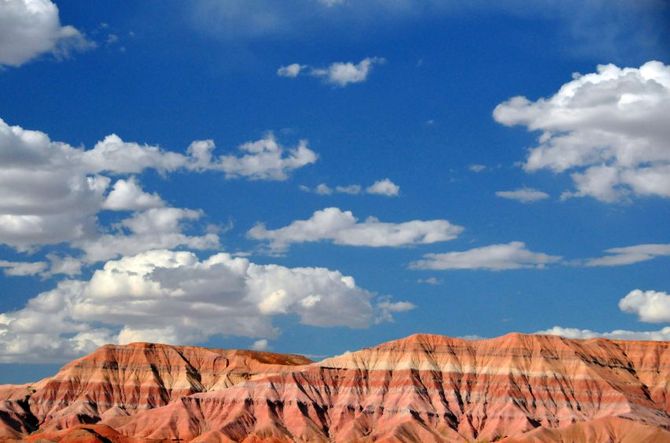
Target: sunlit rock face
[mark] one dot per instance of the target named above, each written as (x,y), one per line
(123,380)
(424,388)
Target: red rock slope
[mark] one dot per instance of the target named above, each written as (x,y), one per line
(122,380)
(425,388)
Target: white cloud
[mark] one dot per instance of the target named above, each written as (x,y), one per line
(65,265)
(156,228)
(116,156)
(342,228)
(22,269)
(331,3)
(650,306)
(477,168)
(523,195)
(618,334)
(434,281)
(260,345)
(323,189)
(609,129)
(343,73)
(630,254)
(265,160)
(29,28)
(339,73)
(173,297)
(386,308)
(127,195)
(291,71)
(51,192)
(498,257)
(384,187)
(348,189)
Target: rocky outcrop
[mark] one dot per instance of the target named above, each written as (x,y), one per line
(423,388)
(119,381)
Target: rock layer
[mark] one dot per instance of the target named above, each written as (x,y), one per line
(122,380)
(423,388)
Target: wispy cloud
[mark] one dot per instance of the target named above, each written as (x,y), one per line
(343,228)
(383,187)
(500,257)
(523,195)
(339,73)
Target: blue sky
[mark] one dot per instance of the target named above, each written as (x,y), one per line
(319,176)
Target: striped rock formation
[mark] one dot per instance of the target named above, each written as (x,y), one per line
(424,388)
(122,380)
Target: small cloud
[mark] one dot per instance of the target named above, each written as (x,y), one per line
(111,39)
(331,3)
(384,187)
(22,269)
(434,281)
(386,308)
(472,337)
(650,306)
(477,168)
(290,71)
(523,195)
(630,255)
(498,257)
(349,189)
(339,73)
(323,189)
(260,345)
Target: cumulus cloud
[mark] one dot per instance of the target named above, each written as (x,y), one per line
(264,159)
(339,73)
(291,71)
(51,192)
(30,28)
(127,195)
(608,129)
(260,345)
(383,187)
(477,168)
(55,265)
(343,228)
(63,264)
(650,306)
(22,269)
(498,257)
(151,229)
(344,73)
(630,254)
(523,195)
(386,309)
(617,334)
(173,297)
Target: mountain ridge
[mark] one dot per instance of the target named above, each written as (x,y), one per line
(424,387)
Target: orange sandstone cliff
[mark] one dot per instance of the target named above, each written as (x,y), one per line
(424,388)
